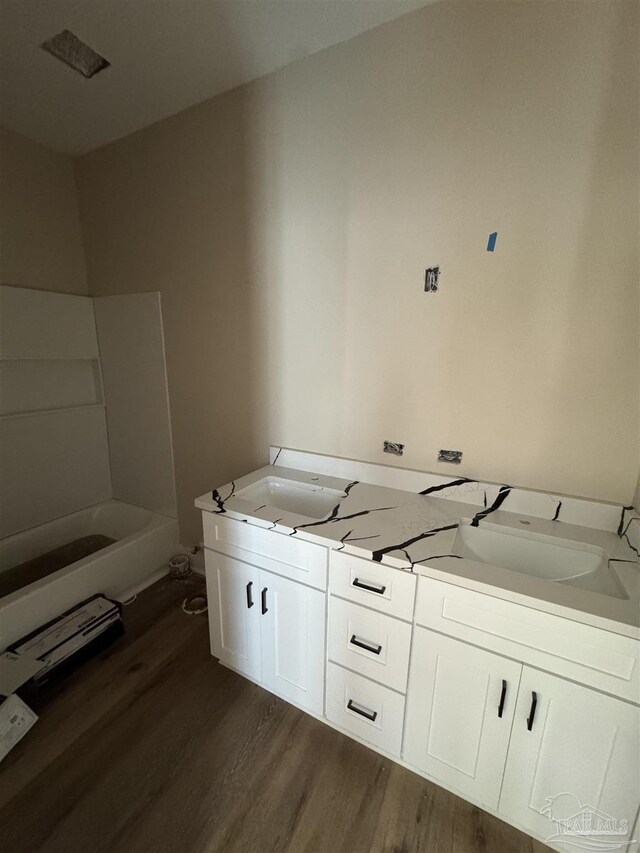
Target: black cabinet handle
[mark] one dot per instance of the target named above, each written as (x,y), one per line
(379,589)
(370,648)
(362,713)
(503,696)
(532,711)
(249,596)
(264,600)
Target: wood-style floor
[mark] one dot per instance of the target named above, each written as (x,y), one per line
(155,748)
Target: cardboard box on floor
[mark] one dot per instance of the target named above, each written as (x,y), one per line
(16,718)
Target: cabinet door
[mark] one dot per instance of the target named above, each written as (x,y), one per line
(460,706)
(292,630)
(573,762)
(234,612)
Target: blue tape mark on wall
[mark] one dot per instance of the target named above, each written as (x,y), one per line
(491,245)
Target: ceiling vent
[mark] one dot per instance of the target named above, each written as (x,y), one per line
(75,53)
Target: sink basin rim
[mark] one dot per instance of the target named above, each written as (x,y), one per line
(492,545)
(309,500)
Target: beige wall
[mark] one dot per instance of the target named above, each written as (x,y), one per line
(40,239)
(288,224)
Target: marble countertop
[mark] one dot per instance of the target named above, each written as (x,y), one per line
(416,532)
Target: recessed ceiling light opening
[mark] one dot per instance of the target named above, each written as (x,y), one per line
(75,53)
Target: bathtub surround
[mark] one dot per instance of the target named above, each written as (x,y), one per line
(54,457)
(58,452)
(52,464)
(39,223)
(288,225)
(62,460)
(53,440)
(36,325)
(135,388)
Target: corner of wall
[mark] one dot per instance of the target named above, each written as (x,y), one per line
(39,218)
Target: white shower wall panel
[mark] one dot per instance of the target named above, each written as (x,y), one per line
(51,464)
(131,342)
(43,325)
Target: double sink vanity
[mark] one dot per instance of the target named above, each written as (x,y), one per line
(492,650)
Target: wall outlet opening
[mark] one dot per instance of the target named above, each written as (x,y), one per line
(393,447)
(431,279)
(452,456)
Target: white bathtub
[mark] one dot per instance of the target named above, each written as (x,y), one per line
(144,543)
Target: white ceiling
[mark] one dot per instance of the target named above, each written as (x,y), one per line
(165,55)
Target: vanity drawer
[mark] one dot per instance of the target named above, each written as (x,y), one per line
(582,653)
(369,643)
(385,589)
(284,555)
(367,710)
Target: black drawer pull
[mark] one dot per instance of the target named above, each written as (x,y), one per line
(532,712)
(503,696)
(264,600)
(379,589)
(249,596)
(370,648)
(362,713)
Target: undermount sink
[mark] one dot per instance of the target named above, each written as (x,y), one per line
(560,561)
(291,496)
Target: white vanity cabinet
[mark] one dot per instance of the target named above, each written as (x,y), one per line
(233,589)
(529,744)
(292,635)
(577,749)
(518,740)
(460,706)
(369,643)
(268,549)
(368,649)
(266,626)
(531,715)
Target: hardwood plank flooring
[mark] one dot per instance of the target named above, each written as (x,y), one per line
(155,748)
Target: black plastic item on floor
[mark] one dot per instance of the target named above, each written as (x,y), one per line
(67,642)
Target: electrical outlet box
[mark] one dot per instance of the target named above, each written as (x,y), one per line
(393,447)
(452,456)
(431,279)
